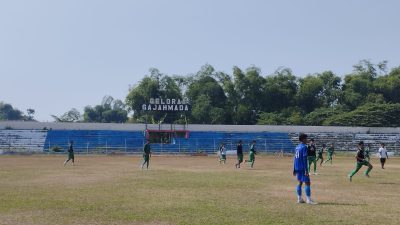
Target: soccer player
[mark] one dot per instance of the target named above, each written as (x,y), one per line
(252,154)
(367,150)
(360,156)
(312,156)
(239,153)
(146,154)
(70,153)
(301,170)
(222,153)
(383,155)
(320,154)
(330,151)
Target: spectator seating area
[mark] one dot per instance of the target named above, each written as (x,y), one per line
(22,140)
(95,141)
(114,141)
(349,141)
(104,141)
(209,142)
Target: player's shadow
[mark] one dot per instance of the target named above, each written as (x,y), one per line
(340,204)
(387,183)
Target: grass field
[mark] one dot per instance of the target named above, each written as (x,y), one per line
(190,190)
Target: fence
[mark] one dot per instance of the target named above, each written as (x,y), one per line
(113,145)
(176,146)
(97,144)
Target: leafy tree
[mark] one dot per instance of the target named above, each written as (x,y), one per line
(155,85)
(280,90)
(246,95)
(8,112)
(309,95)
(270,119)
(355,90)
(73,115)
(30,114)
(372,114)
(208,86)
(360,84)
(201,109)
(318,116)
(207,96)
(110,111)
(331,88)
(389,86)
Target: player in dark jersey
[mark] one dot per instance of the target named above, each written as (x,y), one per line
(301,170)
(361,161)
(239,153)
(312,156)
(146,154)
(321,154)
(70,153)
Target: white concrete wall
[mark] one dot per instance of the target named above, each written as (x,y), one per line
(195,127)
(22,140)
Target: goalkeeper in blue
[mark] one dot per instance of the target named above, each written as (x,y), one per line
(300,170)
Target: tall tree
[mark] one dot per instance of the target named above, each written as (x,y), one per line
(109,111)
(73,115)
(331,88)
(155,85)
(30,114)
(206,95)
(280,90)
(358,85)
(389,86)
(310,93)
(8,112)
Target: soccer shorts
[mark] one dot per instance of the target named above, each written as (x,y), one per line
(301,176)
(240,158)
(383,160)
(223,157)
(70,156)
(251,156)
(362,163)
(146,157)
(311,158)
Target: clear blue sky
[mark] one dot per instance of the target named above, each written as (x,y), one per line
(55,55)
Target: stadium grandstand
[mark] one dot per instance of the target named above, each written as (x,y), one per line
(107,138)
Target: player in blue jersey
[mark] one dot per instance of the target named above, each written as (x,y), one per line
(301,170)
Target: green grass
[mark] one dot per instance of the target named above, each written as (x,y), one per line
(190,190)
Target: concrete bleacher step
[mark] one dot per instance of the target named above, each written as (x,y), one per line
(22,140)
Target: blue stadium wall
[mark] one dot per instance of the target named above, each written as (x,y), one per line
(106,141)
(17,136)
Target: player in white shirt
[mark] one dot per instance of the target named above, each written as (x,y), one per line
(222,153)
(383,155)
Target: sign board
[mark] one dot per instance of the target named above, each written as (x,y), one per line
(169,104)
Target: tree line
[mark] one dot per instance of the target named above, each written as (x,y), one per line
(368,96)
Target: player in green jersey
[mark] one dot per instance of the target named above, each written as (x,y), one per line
(252,154)
(70,153)
(312,156)
(146,154)
(360,156)
(330,152)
